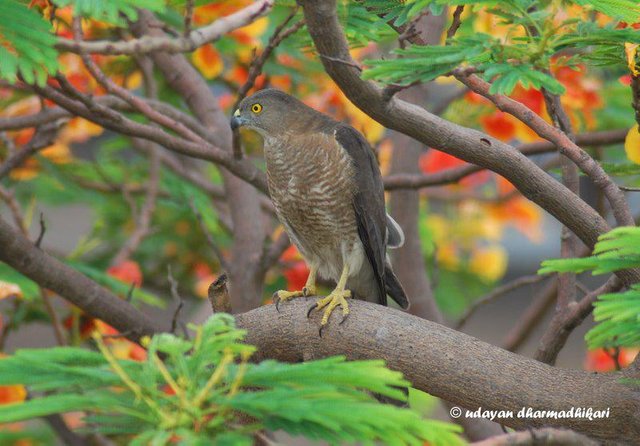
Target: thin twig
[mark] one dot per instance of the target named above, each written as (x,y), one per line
(587,164)
(195,39)
(565,321)
(43,229)
(210,241)
(497,293)
(14,207)
(188,17)
(531,317)
(455,174)
(456,22)
(545,436)
(44,136)
(55,321)
(273,253)
(144,218)
(176,297)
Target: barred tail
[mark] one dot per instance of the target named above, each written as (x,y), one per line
(394,288)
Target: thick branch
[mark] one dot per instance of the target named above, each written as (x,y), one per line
(564,143)
(539,437)
(455,174)
(468,144)
(449,364)
(441,361)
(22,255)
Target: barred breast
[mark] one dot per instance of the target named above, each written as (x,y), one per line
(311,181)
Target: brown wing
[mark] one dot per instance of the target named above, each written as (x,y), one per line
(368,202)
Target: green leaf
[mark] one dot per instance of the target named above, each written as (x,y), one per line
(110,10)
(626,10)
(617,314)
(28,45)
(48,405)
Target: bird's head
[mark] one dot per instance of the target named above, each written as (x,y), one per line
(271,112)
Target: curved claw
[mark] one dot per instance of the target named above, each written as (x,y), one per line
(276,300)
(344,318)
(311,308)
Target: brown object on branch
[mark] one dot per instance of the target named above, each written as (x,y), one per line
(441,361)
(539,437)
(23,256)
(193,40)
(450,365)
(219,295)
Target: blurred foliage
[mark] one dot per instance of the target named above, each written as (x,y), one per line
(205,391)
(583,49)
(616,313)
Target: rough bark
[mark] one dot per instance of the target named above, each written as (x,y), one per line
(436,359)
(450,365)
(22,255)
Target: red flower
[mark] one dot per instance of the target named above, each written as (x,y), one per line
(499,125)
(127,271)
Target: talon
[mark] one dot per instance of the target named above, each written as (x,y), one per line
(283,296)
(311,308)
(337,298)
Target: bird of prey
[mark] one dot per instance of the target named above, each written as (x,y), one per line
(327,190)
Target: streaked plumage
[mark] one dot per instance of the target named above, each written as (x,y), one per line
(328,193)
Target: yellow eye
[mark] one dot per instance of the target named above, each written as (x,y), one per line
(256,108)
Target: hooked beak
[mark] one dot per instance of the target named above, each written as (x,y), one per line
(237,120)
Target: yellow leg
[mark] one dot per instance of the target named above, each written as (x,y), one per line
(338,297)
(308,290)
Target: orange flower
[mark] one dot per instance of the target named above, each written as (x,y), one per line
(128,272)
(296,271)
(121,347)
(8,289)
(296,275)
(208,60)
(204,278)
(519,212)
(12,394)
(489,263)
(602,360)
(499,125)
(436,161)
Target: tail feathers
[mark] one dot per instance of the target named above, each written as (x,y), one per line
(394,288)
(395,235)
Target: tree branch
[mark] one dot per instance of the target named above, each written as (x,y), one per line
(565,146)
(193,40)
(455,174)
(467,144)
(23,256)
(450,365)
(480,375)
(539,437)
(568,318)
